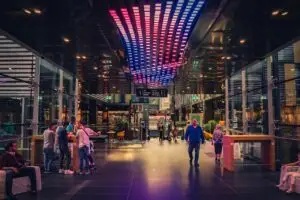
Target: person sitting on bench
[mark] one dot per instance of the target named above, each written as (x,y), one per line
(291,175)
(14,165)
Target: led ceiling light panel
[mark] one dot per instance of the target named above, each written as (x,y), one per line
(155,37)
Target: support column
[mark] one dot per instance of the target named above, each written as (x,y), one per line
(36,92)
(270,96)
(23,122)
(226,106)
(76,98)
(244,101)
(60,94)
(70,101)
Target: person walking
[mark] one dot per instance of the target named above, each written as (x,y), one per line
(64,150)
(161,131)
(175,133)
(49,143)
(169,129)
(194,135)
(217,141)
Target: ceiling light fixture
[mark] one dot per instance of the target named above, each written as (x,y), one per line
(275,12)
(27,11)
(242,41)
(66,40)
(37,11)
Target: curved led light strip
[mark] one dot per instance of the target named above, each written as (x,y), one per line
(155,38)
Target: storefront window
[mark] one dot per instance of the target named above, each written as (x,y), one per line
(286,102)
(48,97)
(235,101)
(257,102)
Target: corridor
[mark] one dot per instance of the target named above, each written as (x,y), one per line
(160,171)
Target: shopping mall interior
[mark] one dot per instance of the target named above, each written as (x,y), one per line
(139,73)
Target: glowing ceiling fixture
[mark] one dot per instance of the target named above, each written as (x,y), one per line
(155,38)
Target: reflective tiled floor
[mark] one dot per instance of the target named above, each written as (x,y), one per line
(160,171)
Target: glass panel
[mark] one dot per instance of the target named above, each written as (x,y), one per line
(48,97)
(235,101)
(257,103)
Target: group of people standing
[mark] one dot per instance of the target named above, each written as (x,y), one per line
(57,137)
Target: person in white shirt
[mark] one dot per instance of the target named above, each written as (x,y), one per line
(48,147)
(83,146)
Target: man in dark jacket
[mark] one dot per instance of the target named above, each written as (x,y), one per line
(64,150)
(14,165)
(194,135)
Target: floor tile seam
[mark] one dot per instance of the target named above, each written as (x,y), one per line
(226,185)
(131,183)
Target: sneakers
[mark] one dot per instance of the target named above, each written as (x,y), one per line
(87,173)
(69,172)
(61,171)
(93,167)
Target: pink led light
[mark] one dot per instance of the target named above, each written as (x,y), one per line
(157,15)
(147,21)
(163,31)
(120,26)
(125,14)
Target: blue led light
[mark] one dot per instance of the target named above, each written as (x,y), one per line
(154,37)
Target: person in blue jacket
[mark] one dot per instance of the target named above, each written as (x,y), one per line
(194,135)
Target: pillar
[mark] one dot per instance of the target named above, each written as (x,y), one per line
(226,106)
(76,98)
(22,122)
(70,101)
(36,92)
(244,101)
(270,96)
(60,94)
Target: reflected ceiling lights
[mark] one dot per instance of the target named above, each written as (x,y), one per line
(155,37)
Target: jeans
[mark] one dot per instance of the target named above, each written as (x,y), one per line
(25,171)
(49,156)
(192,146)
(64,152)
(84,160)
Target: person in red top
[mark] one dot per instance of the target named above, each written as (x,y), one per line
(14,165)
